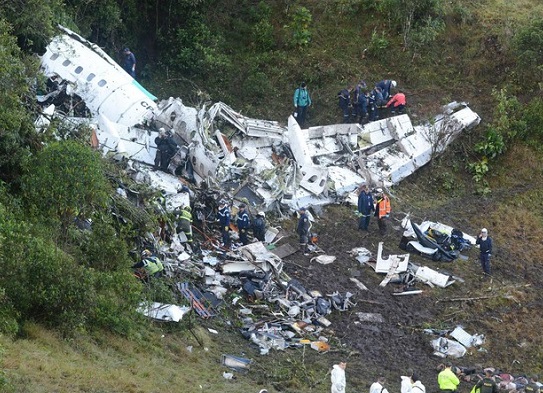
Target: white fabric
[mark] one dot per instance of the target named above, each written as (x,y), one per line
(338,379)
(418,387)
(376,387)
(406,384)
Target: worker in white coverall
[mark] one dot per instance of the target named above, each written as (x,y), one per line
(338,378)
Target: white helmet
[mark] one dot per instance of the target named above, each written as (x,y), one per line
(261,214)
(393,83)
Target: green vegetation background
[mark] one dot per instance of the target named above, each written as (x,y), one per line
(67,298)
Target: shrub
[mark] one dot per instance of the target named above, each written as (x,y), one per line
(299,27)
(527,44)
(64,180)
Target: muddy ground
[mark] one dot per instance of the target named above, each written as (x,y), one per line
(500,308)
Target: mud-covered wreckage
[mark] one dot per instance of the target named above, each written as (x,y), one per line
(268,164)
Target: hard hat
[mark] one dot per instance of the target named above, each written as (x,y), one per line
(379,190)
(222,202)
(187,208)
(261,214)
(484,230)
(146,253)
(393,83)
(161,131)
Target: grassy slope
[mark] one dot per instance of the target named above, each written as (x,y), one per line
(465,64)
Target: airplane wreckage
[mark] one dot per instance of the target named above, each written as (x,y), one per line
(263,162)
(271,166)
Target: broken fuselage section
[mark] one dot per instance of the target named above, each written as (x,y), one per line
(266,163)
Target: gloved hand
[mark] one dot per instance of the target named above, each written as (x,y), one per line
(226,228)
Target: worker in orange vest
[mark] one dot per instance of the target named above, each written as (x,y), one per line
(382,210)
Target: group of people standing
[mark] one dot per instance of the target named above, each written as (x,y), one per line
(410,383)
(368,205)
(243,223)
(359,104)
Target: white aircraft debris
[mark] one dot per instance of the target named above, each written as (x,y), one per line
(262,161)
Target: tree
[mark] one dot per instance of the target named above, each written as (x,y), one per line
(17,133)
(63,180)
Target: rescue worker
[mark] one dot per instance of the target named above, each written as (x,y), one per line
(365,207)
(407,381)
(344,102)
(382,210)
(417,387)
(385,86)
(184,222)
(487,384)
(397,102)
(129,64)
(151,264)
(302,101)
(337,377)
(243,223)
(259,226)
(447,379)
(304,225)
(360,102)
(533,386)
(224,222)
(166,149)
(379,386)
(375,101)
(485,243)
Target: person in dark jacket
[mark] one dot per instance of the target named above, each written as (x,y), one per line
(129,63)
(224,222)
(487,384)
(385,86)
(243,223)
(259,226)
(375,101)
(344,102)
(533,386)
(360,102)
(166,149)
(304,225)
(485,243)
(365,207)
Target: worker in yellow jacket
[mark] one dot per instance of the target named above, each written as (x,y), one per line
(447,379)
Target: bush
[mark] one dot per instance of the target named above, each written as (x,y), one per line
(527,44)
(299,27)
(64,180)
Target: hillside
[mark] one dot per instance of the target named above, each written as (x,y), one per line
(252,55)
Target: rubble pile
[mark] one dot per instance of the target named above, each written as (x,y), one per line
(274,167)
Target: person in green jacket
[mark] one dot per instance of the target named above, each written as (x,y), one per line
(447,379)
(487,384)
(301,101)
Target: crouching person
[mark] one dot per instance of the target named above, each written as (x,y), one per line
(150,264)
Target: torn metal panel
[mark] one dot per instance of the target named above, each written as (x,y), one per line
(433,276)
(384,265)
(285,250)
(163,312)
(94,76)
(258,253)
(466,339)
